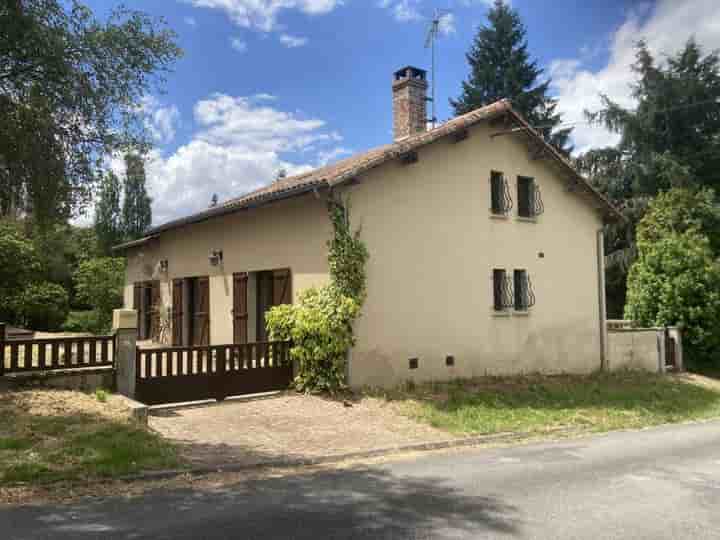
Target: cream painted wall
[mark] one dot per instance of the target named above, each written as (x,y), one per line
(433,246)
(287,234)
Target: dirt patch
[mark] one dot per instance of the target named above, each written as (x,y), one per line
(288,426)
(62,403)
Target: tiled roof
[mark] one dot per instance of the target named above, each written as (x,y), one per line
(351,167)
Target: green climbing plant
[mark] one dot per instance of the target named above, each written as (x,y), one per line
(320,324)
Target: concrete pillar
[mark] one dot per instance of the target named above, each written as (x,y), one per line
(125,330)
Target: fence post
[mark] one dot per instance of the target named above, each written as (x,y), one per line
(2,349)
(125,330)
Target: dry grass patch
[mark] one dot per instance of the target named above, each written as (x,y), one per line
(52,435)
(599,402)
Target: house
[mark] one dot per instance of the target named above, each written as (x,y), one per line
(485,252)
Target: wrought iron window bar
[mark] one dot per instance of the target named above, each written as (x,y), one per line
(501,199)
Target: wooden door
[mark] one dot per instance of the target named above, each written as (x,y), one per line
(240,308)
(264,302)
(282,292)
(201,311)
(177,312)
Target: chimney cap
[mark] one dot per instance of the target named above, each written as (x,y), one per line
(410,73)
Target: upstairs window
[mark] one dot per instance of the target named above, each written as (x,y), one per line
(524,296)
(502,290)
(500,200)
(530,203)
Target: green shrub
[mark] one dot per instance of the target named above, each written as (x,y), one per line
(85,322)
(320,327)
(101,395)
(42,306)
(99,283)
(676,281)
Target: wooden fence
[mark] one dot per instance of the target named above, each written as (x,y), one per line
(28,355)
(175,374)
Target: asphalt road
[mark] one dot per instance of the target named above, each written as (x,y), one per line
(659,483)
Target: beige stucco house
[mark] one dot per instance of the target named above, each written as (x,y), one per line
(485,252)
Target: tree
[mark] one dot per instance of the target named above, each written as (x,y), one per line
(70,89)
(500,67)
(672,137)
(108,219)
(137,211)
(20,265)
(99,283)
(42,306)
(676,278)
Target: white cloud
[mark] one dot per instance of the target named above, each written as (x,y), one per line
(403,10)
(292,42)
(417,10)
(161,121)
(240,146)
(328,156)
(263,14)
(190,21)
(238,44)
(666,27)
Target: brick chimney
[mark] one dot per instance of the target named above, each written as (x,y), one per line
(409,102)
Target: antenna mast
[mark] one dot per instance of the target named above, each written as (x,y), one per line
(432,35)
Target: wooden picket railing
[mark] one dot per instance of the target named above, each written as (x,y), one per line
(175,374)
(28,355)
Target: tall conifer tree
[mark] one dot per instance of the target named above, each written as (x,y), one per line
(501,67)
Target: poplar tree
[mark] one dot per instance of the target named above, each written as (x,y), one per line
(501,67)
(137,211)
(108,218)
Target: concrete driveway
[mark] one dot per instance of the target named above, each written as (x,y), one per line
(287,426)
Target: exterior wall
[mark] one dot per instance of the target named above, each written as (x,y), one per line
(634,350)
(286,234)
(433,245)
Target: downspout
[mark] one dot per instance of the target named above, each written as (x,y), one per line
(601,298)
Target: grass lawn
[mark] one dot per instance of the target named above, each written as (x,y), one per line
(48,436)
(598,402)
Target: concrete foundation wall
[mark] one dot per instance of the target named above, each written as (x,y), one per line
(634,350)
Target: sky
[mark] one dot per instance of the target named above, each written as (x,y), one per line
(266,85)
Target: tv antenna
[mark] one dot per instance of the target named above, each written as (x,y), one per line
(430,40)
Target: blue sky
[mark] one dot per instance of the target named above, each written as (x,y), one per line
(270,84)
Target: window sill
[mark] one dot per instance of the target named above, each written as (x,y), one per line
(504,217)
(526,219)
(501,314)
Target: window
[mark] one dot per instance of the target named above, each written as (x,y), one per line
(500,201)
(529,201)
(501,290)
(524,297)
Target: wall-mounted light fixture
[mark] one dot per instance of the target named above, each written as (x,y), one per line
(164,265)
(216,257)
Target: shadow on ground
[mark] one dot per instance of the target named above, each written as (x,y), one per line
(356,503)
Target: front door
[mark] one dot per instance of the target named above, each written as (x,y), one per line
(177,312)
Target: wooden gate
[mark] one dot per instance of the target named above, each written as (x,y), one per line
(181,374)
